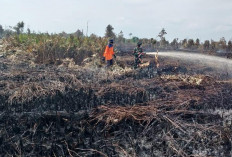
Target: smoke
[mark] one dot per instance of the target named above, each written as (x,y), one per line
(219,65)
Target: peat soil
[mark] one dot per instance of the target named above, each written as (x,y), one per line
(69,110)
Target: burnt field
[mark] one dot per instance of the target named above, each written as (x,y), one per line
(87,110)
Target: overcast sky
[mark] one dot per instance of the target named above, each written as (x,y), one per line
(204,19)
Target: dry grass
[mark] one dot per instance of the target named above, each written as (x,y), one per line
(192,80)
(171,116)
(50,49)
(113,115)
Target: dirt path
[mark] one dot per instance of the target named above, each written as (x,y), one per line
(219,64)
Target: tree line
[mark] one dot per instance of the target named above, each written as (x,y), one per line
(158,42)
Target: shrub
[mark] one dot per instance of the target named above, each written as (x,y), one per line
(51,48)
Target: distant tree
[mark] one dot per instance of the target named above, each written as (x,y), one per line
(206,45)
(79,33)
(121,37)
(93,36)
(1,31)
(135,39)
(130,35)
(174,44)
(213,46)
(28,31)
(146,41)
(197,43)
(222,43)
(190,43)
(109,32)
(7,32)
(184,43)
(162,33)
(229,47)
(71,39)
(19,27)
(153,41)
(63,34)
(167,43)
(163,41)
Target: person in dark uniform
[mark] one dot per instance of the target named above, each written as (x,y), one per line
(138,53)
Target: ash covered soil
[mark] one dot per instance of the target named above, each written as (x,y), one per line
(178,109)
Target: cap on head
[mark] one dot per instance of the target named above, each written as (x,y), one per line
(139,43)
(111,41)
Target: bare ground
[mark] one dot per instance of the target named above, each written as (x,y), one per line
(179,109)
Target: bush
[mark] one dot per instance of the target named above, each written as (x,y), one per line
(51,48)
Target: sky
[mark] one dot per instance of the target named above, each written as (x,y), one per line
(206,20)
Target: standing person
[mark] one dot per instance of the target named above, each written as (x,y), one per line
(109,53)
(138,53)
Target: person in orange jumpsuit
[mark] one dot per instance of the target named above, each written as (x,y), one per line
(109,53)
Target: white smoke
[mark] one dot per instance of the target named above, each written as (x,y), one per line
(220,65)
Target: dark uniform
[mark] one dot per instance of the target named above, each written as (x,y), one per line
(138,53)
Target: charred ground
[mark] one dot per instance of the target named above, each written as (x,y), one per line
(87,110)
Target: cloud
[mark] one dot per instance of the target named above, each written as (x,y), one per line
(223,28)
(143,18)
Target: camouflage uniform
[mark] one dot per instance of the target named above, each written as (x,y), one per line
(138,52)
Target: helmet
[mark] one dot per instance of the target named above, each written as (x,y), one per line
(111,41)
(139,43)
